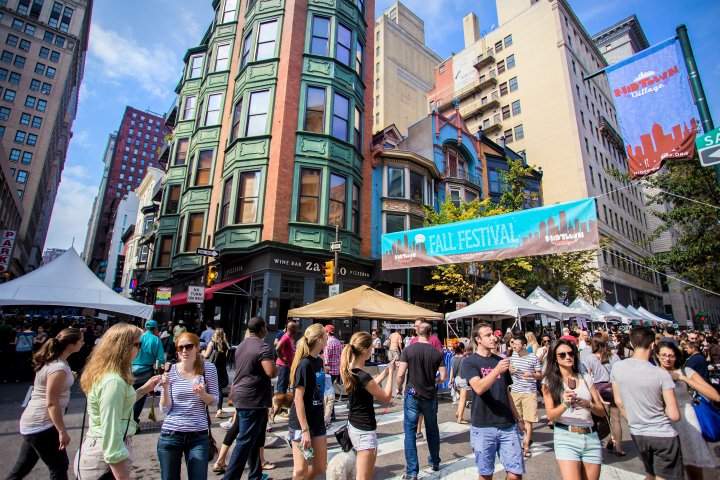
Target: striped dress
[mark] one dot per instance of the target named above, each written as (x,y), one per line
(186,412)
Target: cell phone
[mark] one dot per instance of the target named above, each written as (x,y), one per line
(572,383)
(166,367)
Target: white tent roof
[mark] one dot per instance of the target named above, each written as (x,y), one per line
(633,316)
(594,313)
(543,299)
(637,312)
(653,317)
(607,308)
(68,282)
(500,302)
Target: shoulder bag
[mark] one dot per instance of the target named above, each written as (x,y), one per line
(212,446)
(708,415)
(602,423)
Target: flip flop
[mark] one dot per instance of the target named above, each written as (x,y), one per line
(219,469)
(268,466)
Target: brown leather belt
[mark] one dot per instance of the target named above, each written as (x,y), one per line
(576,429)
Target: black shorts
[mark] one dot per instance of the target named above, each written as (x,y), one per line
(661,456)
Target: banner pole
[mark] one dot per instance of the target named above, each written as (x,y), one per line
(696,86)
(407,281)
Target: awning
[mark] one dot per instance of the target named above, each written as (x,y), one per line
(180,298)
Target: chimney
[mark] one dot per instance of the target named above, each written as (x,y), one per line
(471,29)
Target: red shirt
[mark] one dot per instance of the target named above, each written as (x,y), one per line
(286,351)
(434,341)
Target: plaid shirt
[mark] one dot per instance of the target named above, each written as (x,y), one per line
(333,350)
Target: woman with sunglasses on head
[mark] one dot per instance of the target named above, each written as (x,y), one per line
(570,400)
(188,389)
(42,426)
(306,423)
(696,453)
(107,381)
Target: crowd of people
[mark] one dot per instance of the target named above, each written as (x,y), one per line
(587,382)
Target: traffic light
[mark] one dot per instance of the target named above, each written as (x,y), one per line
(212,275)
(329,272)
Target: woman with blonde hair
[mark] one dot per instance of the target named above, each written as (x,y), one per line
(42,425)
(532,343)
(189,388)
(217,353)
(362,389)
(307,414)
(107,381)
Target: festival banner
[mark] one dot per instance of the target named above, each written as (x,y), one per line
(559,228)
(162,296)
(655,110)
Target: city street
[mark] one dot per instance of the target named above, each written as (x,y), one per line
(454,448)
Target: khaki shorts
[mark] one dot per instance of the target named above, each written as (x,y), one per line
(393,355)
(91,465)
(526,406)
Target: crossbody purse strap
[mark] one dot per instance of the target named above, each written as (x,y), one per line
(82,437)
(607,416)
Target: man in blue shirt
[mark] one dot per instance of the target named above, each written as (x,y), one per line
(206,336)
(149,357)
(696,361)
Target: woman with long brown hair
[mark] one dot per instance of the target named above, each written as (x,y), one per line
(307,414)
(362,389)
(107,381)
(42,425)
(217,353)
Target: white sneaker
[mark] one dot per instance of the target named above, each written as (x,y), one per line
(226,425)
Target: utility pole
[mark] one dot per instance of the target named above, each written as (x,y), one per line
(696,87)
(337,255)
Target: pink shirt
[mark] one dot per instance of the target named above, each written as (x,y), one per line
(286,351)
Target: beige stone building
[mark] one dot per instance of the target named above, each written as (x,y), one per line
(522,83)
(42,58)
(404,69)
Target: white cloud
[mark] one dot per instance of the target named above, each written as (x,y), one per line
(72,209)
(81,139)
(121,59)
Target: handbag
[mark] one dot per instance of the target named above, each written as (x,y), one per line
(342,435)
(708,415)
(602,423)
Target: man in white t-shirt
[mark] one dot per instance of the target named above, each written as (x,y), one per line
(525,370)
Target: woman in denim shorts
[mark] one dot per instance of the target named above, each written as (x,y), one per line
(362,389)
(571,399)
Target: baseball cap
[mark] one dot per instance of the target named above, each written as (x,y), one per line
(330,328)
(569,338)
(151,324)
(497,333)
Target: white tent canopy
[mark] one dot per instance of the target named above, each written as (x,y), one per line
(637,312)
(68,282)
(653,317)
(500,302)
(607,308)
(595,314)
(543,299)
(631,315)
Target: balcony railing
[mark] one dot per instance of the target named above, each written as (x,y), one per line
(494,124)
(486,59)
(463,174)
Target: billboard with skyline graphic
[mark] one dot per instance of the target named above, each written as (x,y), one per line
(560,228)
(655,109)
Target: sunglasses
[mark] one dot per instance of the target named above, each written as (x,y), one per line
(564,355)
(186,348)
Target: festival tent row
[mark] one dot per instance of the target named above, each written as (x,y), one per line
(596,315)
(541,298)
(68,282)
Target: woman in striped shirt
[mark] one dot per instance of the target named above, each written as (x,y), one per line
(188,388)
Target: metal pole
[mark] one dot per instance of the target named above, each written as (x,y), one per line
(696,87)
(337,254)
(407,281)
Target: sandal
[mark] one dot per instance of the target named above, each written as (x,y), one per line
(527,453)
(219,469)
(268,466)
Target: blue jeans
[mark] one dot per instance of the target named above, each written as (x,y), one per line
(250,439)
(412,409)
(173,445)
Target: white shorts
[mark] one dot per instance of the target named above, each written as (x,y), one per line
(363,439)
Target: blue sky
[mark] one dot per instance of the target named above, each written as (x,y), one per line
(136,49)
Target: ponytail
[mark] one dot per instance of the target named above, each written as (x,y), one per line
(312,335)
(360,342)
(54,347)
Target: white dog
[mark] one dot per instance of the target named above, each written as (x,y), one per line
(341,466)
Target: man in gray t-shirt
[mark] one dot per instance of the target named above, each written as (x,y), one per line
(645,395)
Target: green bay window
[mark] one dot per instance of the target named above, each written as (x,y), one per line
(173,200)
(358,58)
(355,220)
(258,113)
(315,110)
(248,197)
(164,251)
(222,57)
(225,205)
(188,112)
(212,116)
(320,36)
(236,117)
(193,237)
(247,43)
(204,166)
(343,44)
(357,129)
(338,193)
(309,196)
(181,150)
(341,116)
(230,11)
(267,36)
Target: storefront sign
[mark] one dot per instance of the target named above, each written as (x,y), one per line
(559,228)
(162,297)
(7,242)
(196,294)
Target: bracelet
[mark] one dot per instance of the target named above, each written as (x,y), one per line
(304,430)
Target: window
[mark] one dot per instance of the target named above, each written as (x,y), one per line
(501,67)
(3,74)
(358,57)
(222,57)
(189,108)
(40,68)
(19,61)
(54,56)
(341,116)
(14,155)
(267,36)
(357,129)
(173,201)
(495,181)
(181,150)
(230,11)
(394,222)
(195,70)
(23,7)
(315,110)
(508,135)
(66,18)
(417,184)
(46,88)
(258,113)
(6,56)
(35,85)
(513,84)
(12,40)
(32,139)
(516,110)
(14,78)
(225,206)
(204,166)
(193,238)
(60,41)
(30,101)
(498,47)
(17,24)
(44,52)
(248,197)
(165,252)
(320,40)
(510,62)
(519,132)
(25,45)
(50,72)
(355,220)
(343,44)
(336,214)
(2,131)
(37,122)
(27,158)
(212,116)
(247,42)
(396,182)
(508,41)
(505,112)
(25,119)
(5,113)
(48,37)
(503,89)
(22,176)
(55,14)
(235,130)
(309,196)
